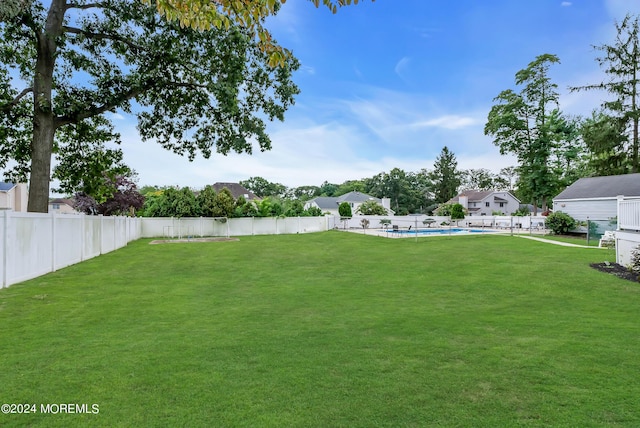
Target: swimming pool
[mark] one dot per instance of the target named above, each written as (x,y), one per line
(452,231)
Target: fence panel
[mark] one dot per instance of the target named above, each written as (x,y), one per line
(35,244)
(68,241)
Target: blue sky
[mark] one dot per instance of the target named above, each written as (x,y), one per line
(390,83)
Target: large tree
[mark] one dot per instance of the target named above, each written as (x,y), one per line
(621,63)
(445,176)
(193,91)
(528,124)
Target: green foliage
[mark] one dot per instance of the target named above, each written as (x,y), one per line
(457,212)
(314,211)
(522,212)
(560,223)
(445,176)
(364,223)
(195,92)
(371,208)
(530,125)
(634,266)
(206,201)
(263,188)
(344,209)
(621,62)
(223,204)
(443,210)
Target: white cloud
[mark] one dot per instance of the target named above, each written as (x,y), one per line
(566,3)
(402,65)
(447,122)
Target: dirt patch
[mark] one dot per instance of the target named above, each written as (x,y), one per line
(190,240)
(617,270)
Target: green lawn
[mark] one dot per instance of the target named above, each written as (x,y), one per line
(327,330)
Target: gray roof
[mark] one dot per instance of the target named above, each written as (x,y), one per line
(5,187)
(603,187)
(356,197)
(236,190)
(331,202)
(326,202)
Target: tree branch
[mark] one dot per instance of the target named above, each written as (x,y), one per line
(84,6)
(101,36)
(16,100)
(125,96)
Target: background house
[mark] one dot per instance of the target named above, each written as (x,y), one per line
(486,202)
(14,196)
(62,206)
(596,198)
(354,199)
(236,190)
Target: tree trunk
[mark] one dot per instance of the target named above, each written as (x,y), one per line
(44,125)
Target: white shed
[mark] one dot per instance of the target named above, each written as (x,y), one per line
(596,198)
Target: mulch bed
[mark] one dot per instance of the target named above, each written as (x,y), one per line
(617,270)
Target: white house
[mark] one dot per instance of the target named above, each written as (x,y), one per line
(596,198)
(354,199)
(13,196)
(487,202)
(62,206)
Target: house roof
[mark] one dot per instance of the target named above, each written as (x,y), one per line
(332,202)
(603,187)
(326,202)
(356,197)
(236,190)
(61,201)
(5,187)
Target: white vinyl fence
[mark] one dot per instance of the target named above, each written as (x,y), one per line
(34,244)
(417,221)
(207,226)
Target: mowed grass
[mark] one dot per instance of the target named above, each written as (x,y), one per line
(327,330)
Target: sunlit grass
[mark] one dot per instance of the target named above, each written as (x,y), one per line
(328,329)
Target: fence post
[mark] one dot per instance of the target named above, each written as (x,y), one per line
(5,251)
(101,232)
(53,241)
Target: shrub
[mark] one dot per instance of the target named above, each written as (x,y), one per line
(457,212)
(344,209)
(634,266)
(560,223)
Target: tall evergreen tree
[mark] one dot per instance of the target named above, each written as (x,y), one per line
(445,176)
(621,63)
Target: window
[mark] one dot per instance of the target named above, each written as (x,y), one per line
(56,206)
(486,204)
(501,204)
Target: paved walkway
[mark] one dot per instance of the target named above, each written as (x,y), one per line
(550,241)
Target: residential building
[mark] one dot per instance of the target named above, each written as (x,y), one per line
(354,199)
(596,198)
(236,190)
(14,196)
(486,202)
(62,206)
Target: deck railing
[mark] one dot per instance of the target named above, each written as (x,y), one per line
(629,214)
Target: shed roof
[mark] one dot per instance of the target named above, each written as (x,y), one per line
(603,187)
(236,190)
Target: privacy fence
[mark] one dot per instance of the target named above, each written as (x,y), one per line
(35,244)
